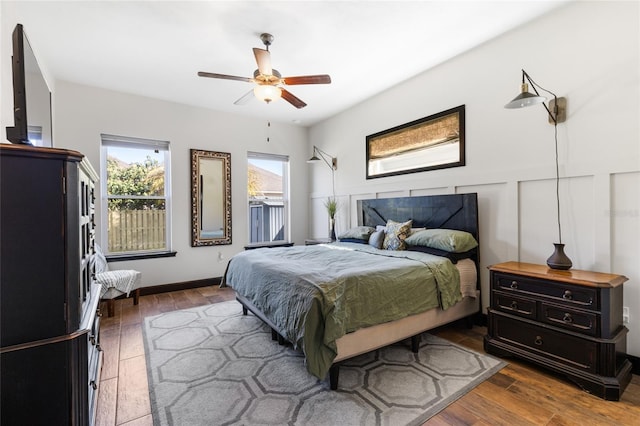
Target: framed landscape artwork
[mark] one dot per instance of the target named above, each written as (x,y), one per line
(429,143)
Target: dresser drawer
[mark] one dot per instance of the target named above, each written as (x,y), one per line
(513,304)
(93,337)
(94,366)
(582,297)
(573,351)
(561,316)
(94,370)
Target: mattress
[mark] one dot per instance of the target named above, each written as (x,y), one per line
(316,294)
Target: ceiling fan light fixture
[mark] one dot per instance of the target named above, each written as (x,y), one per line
(268,80)
(267,93)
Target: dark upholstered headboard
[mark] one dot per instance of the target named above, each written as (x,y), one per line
(452,211)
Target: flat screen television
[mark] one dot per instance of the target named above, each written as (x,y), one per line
(31,96)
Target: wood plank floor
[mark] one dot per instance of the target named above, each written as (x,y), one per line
(520,394)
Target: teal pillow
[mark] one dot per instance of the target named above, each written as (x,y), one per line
(450,240)
(396,234)
(358,233)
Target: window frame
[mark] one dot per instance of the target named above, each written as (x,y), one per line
(107,141)
(285,199)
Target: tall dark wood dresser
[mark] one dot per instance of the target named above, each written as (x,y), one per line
(567,321)
(50,356)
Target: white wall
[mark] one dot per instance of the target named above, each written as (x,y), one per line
(587,52)
(83,113)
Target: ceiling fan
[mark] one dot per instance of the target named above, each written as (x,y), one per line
(269,82)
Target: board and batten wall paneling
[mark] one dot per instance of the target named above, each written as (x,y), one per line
(624,213)
(588,52)
(538,227)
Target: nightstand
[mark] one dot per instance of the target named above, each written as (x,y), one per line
(315,241)
(567,321)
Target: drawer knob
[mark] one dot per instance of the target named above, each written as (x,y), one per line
(93,385)
(567,295)
(514,305)
(567,318)
(514,284)
(92,339)
(538,341)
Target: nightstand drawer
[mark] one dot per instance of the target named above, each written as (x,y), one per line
(583,297)
(560,316)
(563,348)
(514,305)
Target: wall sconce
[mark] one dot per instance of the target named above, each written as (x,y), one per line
(331,204)
(330,161)
(525,99)
(323,157)
(558,260)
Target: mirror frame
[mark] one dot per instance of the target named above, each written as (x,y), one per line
(196,156)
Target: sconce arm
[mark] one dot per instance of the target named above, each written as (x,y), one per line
(555,103)
(333,165)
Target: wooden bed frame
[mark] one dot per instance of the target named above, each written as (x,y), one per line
(455,211)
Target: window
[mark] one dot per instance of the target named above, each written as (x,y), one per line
(268,189)
(136,199)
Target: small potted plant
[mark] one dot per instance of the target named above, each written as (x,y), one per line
(332,207)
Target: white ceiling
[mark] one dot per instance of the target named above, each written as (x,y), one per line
(155,48)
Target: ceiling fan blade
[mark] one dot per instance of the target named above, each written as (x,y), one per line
(263,58)
(307,79)
(245,98)
(292,99)
(224,76)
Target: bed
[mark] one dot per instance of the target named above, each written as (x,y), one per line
(339,300)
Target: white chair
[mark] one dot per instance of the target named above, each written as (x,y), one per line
(115,283)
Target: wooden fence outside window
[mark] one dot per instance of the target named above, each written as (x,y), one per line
(136,230)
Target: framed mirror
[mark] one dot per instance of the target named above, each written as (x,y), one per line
(210,198)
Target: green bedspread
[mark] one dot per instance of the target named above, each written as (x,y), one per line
(316,294)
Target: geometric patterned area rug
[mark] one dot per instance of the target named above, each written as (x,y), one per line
(211,365)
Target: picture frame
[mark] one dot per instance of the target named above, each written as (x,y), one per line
(430,143)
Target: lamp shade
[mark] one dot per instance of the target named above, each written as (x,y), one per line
(267,93)
(525,99)
(313,159)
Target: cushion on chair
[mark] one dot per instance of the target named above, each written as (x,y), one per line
(99,261)
(116,282)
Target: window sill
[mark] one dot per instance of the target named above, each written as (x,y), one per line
(132,256)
